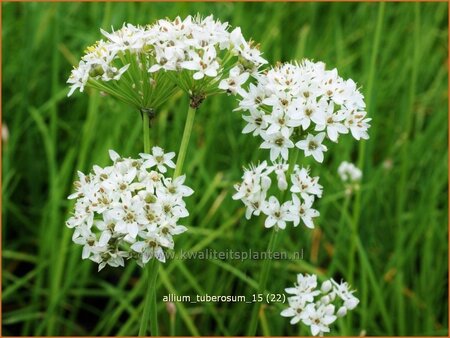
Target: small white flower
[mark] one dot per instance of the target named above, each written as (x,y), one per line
(84,237)
(303,210)
(280,122)
(304,184)
(296,310)
(319,318)
(304,288)
(175,187)
(252,99)
(233,85)
(128,37)
(255,122)
(278,145)
(159,159)
(152,246)
(358,124)
(304,111)
(332,122)
(313,146)
(128,214)
(343,291)
(277,215)
(78,78)
(203,66)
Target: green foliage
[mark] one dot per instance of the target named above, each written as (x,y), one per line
(389,241)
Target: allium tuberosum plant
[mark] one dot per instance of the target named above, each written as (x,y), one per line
(131,210)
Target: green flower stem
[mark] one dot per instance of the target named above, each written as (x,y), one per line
(146,132)
(172,325)
(292,162)
(263,282)
(185,141)
(150,310)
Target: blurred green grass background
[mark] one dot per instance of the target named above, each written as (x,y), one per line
(390,241)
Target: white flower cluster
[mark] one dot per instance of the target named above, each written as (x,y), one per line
(98,63)
(316,307)
(293,100)
(129,210)
(351,176)
(206,48)
(348,172)
(254,189)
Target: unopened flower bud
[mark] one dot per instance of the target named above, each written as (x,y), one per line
(326,286)
(325,299)
(150,198)
(96,70)
(341,312)
(282,183)
(265,182)
(351,303)
(171,308)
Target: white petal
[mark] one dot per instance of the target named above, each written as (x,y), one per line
(159,254)
(289,312)
(198,76)
(315,330)
(113,155)
(86,252)
(104,238)
(138,246)
(293,291)
(270,222)
(318,156)
(249,128)
(295,320)
(133,230)
(179,229)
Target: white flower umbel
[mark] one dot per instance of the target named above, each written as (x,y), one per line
(204,56)
(348,172)
(142,64)
(129,210)
(255,188)
(118,66)
(302,104)
(350,176)
(318,307)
